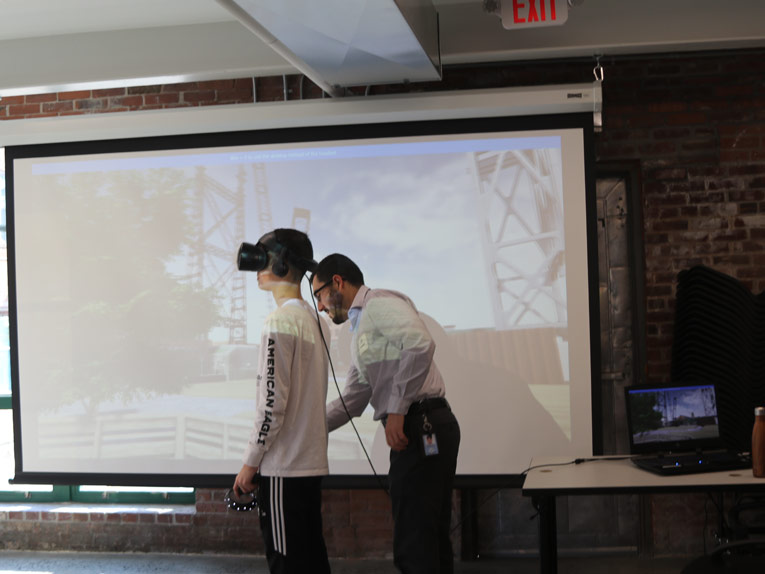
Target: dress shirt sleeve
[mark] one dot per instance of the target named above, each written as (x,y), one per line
(356,396)
(277,349)
(408,339)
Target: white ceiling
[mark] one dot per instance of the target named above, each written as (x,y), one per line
(53,45)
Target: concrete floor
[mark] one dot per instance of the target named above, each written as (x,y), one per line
(12,562)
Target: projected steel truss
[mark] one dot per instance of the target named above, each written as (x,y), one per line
(219,215)
(521,206)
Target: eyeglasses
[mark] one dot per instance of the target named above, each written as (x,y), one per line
(316,293)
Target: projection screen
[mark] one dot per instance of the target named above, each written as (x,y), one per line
(135,339)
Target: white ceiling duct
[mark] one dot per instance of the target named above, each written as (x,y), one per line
(337,43)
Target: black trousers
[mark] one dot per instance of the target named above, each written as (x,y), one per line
(290,520)
(421,495)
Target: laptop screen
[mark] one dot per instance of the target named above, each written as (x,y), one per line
(672,418)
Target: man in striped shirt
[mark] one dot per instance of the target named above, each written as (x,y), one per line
(392,369)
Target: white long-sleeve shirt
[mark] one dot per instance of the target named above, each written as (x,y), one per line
(290,433)
(391,358)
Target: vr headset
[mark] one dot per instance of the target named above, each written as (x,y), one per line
(255,257)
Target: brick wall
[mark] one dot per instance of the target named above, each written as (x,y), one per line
(207,527)
(357,523)
(693,127)
(127,99)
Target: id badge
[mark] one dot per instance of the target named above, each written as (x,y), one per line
(430,444)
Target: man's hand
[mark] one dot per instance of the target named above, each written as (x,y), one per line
(244,480)
(394,432)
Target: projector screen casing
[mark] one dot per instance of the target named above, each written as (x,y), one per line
(478,407)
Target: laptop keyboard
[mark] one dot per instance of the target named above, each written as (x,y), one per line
(695,463)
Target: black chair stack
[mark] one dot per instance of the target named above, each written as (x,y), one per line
(720,338)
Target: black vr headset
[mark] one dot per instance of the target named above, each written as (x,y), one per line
(255,257)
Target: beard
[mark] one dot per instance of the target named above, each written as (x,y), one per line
(337,320)
(338,315)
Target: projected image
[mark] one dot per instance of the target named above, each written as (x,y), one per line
(126,278)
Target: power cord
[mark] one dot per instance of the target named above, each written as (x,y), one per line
(524,473)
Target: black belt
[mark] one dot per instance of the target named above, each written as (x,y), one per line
(427,405)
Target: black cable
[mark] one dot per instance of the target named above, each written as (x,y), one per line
(575,461)
(339,392)
(524,473)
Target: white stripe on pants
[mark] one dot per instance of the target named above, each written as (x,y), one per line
(277,514)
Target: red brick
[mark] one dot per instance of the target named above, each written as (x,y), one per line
(161,99)
(216,85)
(23,109)
(78,95)
(109,93)
(57,107)
(38,98)
(127,101)
(184,87)
(213,507)
(199,97)
(91,104)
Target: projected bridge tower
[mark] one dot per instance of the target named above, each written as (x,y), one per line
(521,205)
(219,216)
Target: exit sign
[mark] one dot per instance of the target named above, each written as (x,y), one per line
(519,14)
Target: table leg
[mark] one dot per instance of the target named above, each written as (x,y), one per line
(548,538)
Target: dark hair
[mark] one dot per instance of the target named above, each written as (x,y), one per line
(299,251)
(337,264)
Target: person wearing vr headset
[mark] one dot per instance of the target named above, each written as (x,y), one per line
(392,369)
(287,451)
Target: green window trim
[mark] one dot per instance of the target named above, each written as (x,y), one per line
(105,497)
(58,494)
(65,493)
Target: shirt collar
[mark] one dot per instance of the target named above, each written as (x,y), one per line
(353,317)
(355,311)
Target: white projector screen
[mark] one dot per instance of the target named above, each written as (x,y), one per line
(134,337)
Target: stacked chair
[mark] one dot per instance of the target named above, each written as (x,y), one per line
(720,338)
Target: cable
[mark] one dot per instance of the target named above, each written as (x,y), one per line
(509,485)
(339,392)
(575,461)
(524,473)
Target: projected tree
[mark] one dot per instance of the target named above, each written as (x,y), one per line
(644,416)
(139,325)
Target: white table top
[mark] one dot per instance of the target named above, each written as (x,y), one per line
(611,474)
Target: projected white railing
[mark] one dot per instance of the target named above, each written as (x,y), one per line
(125,436)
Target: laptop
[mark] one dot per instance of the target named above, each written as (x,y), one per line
(674,429)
